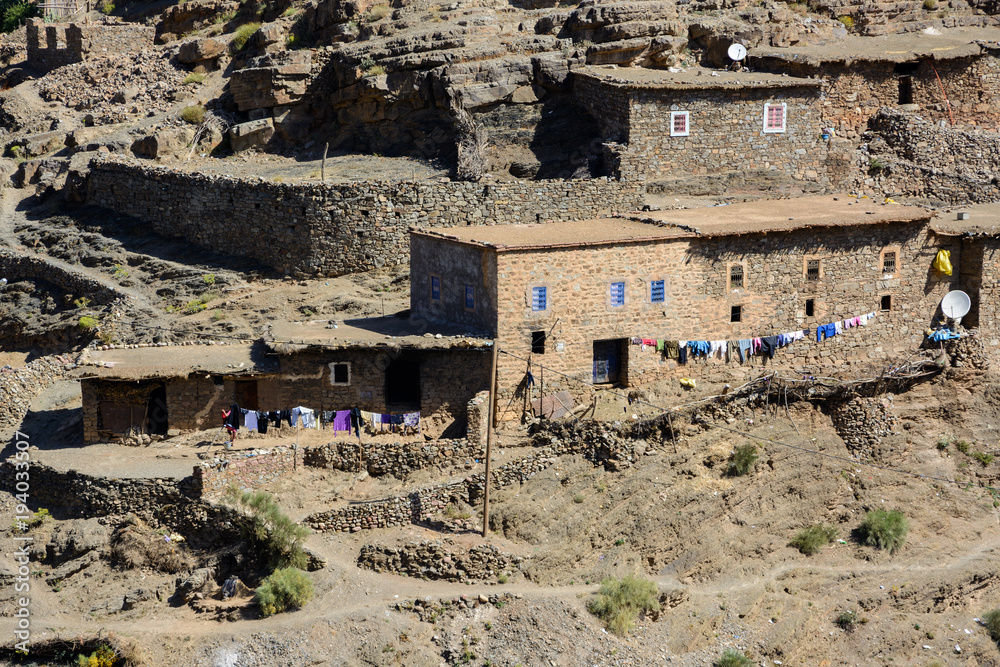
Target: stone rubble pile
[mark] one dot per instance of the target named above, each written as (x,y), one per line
(429,611)
(862,423)
(434,560)
(968,351)
(116,87)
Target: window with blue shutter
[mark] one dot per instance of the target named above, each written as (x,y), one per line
(470,297)
(656,292)
(538,298)
(435,288)
(618,294)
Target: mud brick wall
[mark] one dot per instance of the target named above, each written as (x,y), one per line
(329,230)
(159,502)
(433,560)
(699,301)
(398,459)
(211,479)
(19,386)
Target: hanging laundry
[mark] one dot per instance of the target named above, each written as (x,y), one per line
(733,350)
(825,331)
(768,345)
(411,419)
(327,416)
(308,417)
(756,345)
(287,416)
(637,341)
(699,347)
(746,348)
(942,334)
(356,421)
(716,348)
(682,352)
(659,344)
(250,420)
(262,422)
(838,326)
(671,349)
(233,417)
(342,421)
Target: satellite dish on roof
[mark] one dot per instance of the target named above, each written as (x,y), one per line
(737,52)
(956,304)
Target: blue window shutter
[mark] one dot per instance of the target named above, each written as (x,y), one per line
(656,292)
(470,296)
(538,298)
(435,288)
(618,294)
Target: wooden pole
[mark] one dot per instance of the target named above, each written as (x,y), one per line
(322,168)
(490,413)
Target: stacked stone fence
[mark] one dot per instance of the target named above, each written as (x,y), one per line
(54,45)
(477,415)
(433,560)
(18,387)
(333,229)
(16,267)
(168,503)
(862,423)
(247,470)
(398,459)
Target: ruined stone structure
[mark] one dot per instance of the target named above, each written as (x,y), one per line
(212,478)
(329,230)
(572,296)
(52,45)
(660,125)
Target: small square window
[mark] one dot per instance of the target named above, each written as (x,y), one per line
(679,123)
(736,314)
(538,298)
(618,294)
(340,373)
(889,262)
(470,297)
(538,342)
(435,288)
(810,307)
(812,269)
(887,302)
(736,276)
(657,293)
(774,117)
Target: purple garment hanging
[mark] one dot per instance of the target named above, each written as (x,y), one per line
(342,421)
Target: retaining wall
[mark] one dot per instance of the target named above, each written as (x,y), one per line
(18,387)
(397,459)
(247,470)
(334,229)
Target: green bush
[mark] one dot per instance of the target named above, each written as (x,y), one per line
(287,588)
(193,114)
(848,620)
(991,620)
(743,460)
(87,323)
(847,21)
(107,7)
(885,530)
(810,540)
(16,13)
(982,457)
(733,658)
(241,36)
(193,77)
(620,601)
(962,446)
(268,528)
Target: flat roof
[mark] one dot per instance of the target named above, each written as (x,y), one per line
(695,78)
(756,217)
(984,220)
(942,44)
(172,361)
(373,332)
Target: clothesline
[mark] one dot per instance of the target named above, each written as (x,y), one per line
(342,420)
(744,348)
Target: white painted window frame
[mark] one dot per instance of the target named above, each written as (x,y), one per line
(784,117)
(687,123)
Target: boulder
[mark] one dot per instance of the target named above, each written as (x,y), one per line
(38,144)
(76,539)
(253,134)
(168,141)
(201,578)
(198,50)
(292,123)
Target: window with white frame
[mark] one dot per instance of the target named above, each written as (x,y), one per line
(340,373)
(774,117)
(617,294)
(679,124)
(657,292)
(539,298)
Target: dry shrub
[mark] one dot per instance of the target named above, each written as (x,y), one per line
(135,546)
(472,143)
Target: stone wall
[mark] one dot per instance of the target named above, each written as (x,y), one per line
(699,301)
(247,470)
(317,230)
(19,386)
(912,156)
(478,412)
(398,459)
(435,561)
(169,503)
(53,45)
(863,422)
(16,267)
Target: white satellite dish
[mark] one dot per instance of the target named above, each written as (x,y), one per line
(956,304)
(737,52)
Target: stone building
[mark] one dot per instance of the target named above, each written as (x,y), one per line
(660,125)
(383,365)
(52,45)
(978,268)
(574,295)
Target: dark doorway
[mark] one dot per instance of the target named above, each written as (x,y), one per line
(402,384)
(906,90)
(156,411)
(607,361)
(245,394)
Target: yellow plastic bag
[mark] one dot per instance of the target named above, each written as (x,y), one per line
(942,263)
(687,382)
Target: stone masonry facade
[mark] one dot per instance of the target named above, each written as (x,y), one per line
(334,229)
(52,45)
(725,131)
(212,478)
